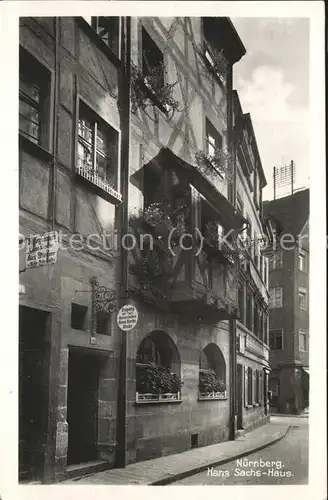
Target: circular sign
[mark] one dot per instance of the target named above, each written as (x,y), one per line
(127,317)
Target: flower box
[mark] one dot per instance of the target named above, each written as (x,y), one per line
(158,398)
(98,181)
(203,396)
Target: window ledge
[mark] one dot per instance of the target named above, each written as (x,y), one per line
(248,407)
(256,405)
(103,188)
(167,398)
(213,396)
(34,149)
(152,96)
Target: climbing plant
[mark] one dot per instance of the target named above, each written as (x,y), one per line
(219,162)
(153,91)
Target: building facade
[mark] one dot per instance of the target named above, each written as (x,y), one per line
(68,103)
(252,326)
(289,303)
(127,164)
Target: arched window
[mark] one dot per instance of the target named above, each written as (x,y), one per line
(157,368)
(213,360)
(212,373)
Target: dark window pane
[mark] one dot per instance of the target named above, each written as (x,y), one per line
(86,130)
(29,89)
(84,155)
(102,141)
(152,58)
(108,31)
(101,165)
(78,316)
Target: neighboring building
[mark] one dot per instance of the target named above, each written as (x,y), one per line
(289,303)
(101,173)
(252,326)
(184,317)
(70,125)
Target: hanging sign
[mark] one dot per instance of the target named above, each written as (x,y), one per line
(127,317)
(41,249)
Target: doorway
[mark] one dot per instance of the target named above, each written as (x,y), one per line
(239,396)
(33,392)
(82,405)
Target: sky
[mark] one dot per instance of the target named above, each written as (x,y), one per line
(272,81)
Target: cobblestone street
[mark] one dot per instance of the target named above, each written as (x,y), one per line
(288,457)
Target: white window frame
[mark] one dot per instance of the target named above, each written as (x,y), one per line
(304,333)
(304,292)
(276,261)
(302,258)
(273,302)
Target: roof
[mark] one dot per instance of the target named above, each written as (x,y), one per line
(246,120)
(290,213)
(223,29)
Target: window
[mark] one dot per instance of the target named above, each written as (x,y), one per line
(34,83)
(257,386)
(157,366)
(256,251)
(302,261)
(249,232)
(260,268)
(103,322)
(303,341)
(249,309)
(152,59)
(274,386)
(212,373)
(97,154)
(241,302)
(212,359)
(240,204)
(249,386)
(265,270)
(276,298)
(276,340)
(213,139)
(265,328)
(78,316)
(211,229)
(256,318)
(212,50)
(302,298)
(255,193)
(276,260)
(108,29)
(149,352)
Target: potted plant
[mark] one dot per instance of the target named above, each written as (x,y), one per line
(210,386)
(157,383)
(219,162)
(151,90)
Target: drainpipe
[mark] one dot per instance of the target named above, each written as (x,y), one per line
(232,322)
(124,105)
